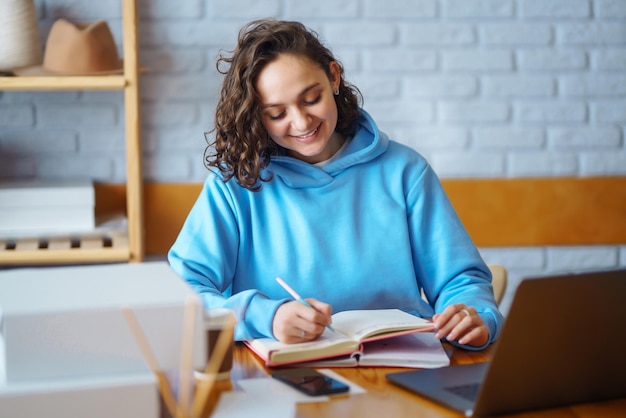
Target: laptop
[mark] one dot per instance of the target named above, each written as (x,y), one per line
(561,344)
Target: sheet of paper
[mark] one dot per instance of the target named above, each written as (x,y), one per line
(354,388)
(272,388)
(419,350)
(252,405)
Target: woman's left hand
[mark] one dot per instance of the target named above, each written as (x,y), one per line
(461,323)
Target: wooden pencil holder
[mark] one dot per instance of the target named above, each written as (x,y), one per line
(182,395)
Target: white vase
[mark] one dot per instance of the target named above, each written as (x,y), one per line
(20,39)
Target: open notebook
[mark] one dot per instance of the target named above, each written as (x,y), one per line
(560,345)
(359,335)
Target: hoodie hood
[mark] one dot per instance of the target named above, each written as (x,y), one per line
(366,144)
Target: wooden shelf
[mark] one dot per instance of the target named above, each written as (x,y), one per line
(131,246)
(111,82)
(102,248)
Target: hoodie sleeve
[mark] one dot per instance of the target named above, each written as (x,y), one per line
(205,255)
(448,265)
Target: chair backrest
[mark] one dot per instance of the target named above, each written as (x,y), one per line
(499,281)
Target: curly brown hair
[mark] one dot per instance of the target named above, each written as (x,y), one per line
(242,146)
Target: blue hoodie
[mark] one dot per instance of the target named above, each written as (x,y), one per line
(368,231)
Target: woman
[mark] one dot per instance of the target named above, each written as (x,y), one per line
(304,186)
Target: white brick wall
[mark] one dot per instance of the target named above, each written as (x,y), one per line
(483,88)
(541,261)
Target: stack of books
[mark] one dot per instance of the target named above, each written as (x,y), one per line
(35,208)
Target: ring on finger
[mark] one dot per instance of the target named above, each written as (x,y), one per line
(303,334)
(465,311)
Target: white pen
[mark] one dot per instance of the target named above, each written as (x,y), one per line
(297,297)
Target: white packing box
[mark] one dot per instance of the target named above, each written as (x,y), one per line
(46,193)
(67,322)
(27,222)
(46,207)
(121,396)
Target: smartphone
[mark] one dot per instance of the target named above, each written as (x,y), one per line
(310,381)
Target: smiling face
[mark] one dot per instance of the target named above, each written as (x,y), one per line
(298,107)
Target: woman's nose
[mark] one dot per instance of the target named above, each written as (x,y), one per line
(301,120)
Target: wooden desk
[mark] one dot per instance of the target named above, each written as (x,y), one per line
(386,400)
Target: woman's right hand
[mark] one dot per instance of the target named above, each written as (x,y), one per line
(295,322)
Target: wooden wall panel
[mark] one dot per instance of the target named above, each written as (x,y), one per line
(530,212)
(496,212)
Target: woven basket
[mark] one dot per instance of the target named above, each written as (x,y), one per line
(20,39)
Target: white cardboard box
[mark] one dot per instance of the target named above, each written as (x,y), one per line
(121,396)
(67,323)
(34,222)
(46,207)
(38,193)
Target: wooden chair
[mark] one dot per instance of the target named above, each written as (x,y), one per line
(499,281)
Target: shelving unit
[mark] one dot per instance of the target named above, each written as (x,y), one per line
(107,247)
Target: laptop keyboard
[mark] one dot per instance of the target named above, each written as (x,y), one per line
(469,392)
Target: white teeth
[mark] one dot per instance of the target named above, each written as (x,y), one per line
(307,135)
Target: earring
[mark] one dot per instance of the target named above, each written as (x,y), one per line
(336,92)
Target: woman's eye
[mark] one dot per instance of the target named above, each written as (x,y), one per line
(276,117)
(314,100)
